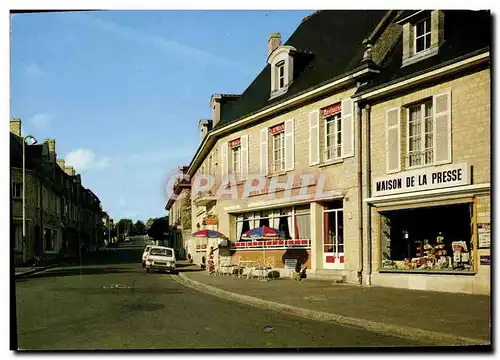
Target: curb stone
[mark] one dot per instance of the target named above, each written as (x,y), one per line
(431,337)
(34,271)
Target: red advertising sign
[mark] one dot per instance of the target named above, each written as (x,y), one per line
(278,129)
(332,110)
(235,143)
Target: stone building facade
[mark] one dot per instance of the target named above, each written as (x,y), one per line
(179,216)
(62,217)
(392,119)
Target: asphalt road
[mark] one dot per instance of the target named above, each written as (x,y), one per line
(109,302)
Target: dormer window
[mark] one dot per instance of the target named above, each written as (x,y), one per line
(422,31)
(280,72)
(423,34)
(281,61)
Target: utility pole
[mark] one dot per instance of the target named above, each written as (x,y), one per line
(24,138)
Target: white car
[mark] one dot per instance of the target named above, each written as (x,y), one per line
(145,254)
(160,258)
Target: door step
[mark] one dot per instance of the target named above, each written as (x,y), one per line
(327,275)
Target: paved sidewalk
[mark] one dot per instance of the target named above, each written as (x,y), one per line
(434,315)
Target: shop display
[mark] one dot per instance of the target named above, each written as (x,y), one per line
(434,255)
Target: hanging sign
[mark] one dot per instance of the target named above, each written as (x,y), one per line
(483,236)
(278,129)
(235,143)
(332,110)
(211,220)
(434,177)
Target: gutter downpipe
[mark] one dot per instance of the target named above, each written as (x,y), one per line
(360,194)
(368,195)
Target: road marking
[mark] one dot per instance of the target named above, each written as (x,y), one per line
(116,286)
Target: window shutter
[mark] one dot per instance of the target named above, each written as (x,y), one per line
(264,160)
(441,107)
(289,145)
(314,138)
(224,159)
(347,133)
(244,156)
(393,139)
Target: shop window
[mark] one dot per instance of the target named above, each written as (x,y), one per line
(264,219)
(282,219)
(433,238)
(284,223)
(302,227)
(242,226)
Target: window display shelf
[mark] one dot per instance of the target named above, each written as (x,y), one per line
(427,271)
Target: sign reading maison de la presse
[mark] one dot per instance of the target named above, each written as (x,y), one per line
(429,178)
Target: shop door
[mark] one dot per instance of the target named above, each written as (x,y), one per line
(333,239)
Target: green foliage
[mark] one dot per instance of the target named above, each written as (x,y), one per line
(125,226)
(140,227)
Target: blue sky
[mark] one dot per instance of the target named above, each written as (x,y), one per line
(122,91)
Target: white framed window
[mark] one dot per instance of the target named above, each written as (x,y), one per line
(420,135)
(17,190)
(278,151)
(333,137)
(280,75)
(235,155)
(18,237)
(422,35)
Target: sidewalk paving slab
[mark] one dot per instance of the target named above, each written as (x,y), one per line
(458,315)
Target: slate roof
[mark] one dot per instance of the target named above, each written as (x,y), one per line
(33,152)
(466,33)
(329,44)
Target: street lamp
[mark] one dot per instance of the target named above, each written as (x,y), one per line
(33,141)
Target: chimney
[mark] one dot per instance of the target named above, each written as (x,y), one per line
(15,126)
(273,43)
(204,126)
(51,143)
(218,102)
(69,170)
(60,162)
(215,104)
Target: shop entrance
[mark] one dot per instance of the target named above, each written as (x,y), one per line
(437,238)
(333,236)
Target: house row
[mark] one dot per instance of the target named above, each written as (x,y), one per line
(61,215)
(366,140)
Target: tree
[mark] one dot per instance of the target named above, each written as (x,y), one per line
(139,227)
(158,229)
(125,226)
